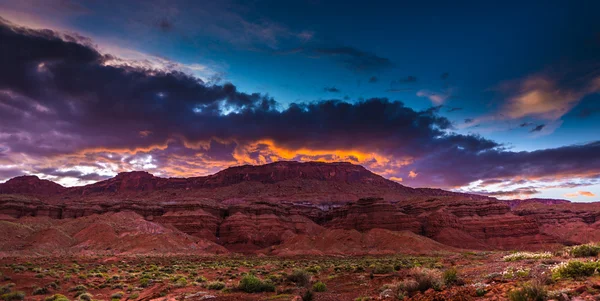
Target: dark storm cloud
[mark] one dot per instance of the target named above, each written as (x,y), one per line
(373,79)
(331,89)
(465,167)
(354,59)
(526,124)
(59,96)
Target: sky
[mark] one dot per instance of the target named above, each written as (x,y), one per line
(501,99)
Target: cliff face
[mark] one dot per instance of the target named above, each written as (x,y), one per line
(252,208)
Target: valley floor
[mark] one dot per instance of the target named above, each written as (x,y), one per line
(442,276)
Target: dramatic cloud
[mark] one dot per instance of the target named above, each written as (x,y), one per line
(547,96)
(69,114)
(580,193)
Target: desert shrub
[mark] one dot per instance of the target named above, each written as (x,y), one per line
(526,255)
(145,282)
(252,284)
(383,269)
(181,282)
(300,277)
(451,276)
(529,292)
(201,279)
(408,285)
(57,297)
(575,269)
(6,288)
(85,297)
(314,269)
(40,291)
(319,287)
(428,278)
(117,295)
(133,296)
(307,296)
(215,285)
(13,296)
(78,288)
(480,289)
(587,250)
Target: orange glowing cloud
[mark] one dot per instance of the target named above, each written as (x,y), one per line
(580,193)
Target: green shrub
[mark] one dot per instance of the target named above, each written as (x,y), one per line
(575,269)
(252,284)
(13,296)
(133,296)
(215,285)
(181,282)
(117,295)
(57,297)
(145,282)
(529,292)
(300,277)
(588,250)
(451,276)
(319,287)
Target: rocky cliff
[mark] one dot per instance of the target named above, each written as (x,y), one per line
(253,208)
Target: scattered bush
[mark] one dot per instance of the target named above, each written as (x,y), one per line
(6,288)
(145,282)
(215,285)
(588,250)
(40,291)
(78,288)
(85,297)
(575,269)
(451,276)
(57,297)
(13,296)
(181,282)
(526,255)
(408,285)
(529,292)
(319,287)
(117,295)
(428,278)
(383,269)
(307,296)
(300,277)
(252,284)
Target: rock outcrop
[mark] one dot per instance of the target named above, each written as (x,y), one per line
(252,208)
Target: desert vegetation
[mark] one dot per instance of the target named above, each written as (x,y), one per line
(511,276)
